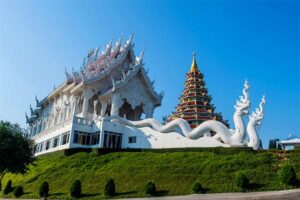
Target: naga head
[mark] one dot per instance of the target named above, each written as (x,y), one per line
(258,115)
(243,104)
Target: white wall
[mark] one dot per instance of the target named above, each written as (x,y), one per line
(149,138)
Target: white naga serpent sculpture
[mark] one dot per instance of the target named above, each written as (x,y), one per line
(241,109)
(228,136)
(254,121)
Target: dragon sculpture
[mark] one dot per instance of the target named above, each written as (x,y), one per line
(228,136)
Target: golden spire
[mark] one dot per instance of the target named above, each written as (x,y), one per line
(194,67)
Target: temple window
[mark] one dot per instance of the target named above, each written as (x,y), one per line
(55,141)
(132,139)
(81,137)
(41,146)
(95,138)
(48,144)
(36,148)
(112,140)
(65,138)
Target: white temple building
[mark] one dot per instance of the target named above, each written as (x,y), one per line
(291,141)
(113,82)
(101,107)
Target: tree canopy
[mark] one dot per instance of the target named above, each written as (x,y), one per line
(272,144)
(16,149)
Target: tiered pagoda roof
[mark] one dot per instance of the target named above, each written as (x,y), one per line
(194,106)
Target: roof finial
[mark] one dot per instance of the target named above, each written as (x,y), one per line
(36,100)
(194,67)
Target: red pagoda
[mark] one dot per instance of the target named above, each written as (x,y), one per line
(195,106)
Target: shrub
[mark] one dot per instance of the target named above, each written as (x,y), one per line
(8,187)
(287,175)
(241,180)
(44,189)
(110,188)
(150,188)
(18,191)
(197,188)
(75,190)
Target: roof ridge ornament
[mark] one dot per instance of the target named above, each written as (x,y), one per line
(31,109)
(139,59)
(96,53)
(107,49)
(91,52)
(130,39)
(27,118)
(69,77)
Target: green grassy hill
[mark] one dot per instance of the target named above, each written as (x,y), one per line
(173,172)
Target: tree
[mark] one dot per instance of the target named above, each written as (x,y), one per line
(219,117)
(260,145)
(287,175)
(272,144)
(165,120)
(110,188)
(18,191)
(16,150)
(44,189)
(197,188)
(8,187)
(75,190)
(150,188)
(241,180)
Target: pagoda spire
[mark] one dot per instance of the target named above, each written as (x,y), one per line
(194,66)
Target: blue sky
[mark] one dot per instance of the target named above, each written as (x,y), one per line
(234,40)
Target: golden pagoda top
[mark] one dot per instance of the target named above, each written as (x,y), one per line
(194,67)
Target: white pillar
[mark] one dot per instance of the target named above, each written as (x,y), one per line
(86,95)
(47,122)
(75,105)
(34,129)
(149,109)
(31,132)
(95,108)
(116,103)
(103,108)
(43,123)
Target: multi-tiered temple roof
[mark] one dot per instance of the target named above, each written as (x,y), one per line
(194,106)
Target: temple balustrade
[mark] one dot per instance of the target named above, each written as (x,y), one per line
(83,121)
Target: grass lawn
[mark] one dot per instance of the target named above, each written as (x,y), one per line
(173,172)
